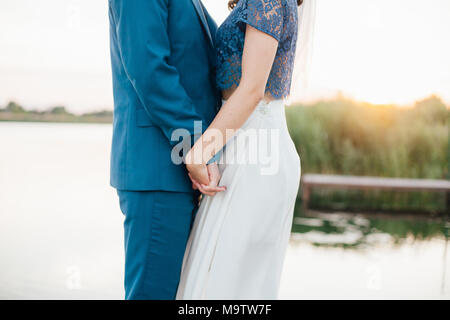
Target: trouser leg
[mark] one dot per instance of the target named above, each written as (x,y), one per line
(156,226)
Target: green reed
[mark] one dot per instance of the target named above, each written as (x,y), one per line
(345,137)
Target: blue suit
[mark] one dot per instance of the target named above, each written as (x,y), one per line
(163,61)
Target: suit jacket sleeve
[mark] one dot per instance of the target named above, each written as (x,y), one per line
(141,29)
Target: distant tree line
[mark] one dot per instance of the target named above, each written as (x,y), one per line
(15,112)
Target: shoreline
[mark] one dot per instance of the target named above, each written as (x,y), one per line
(49,118)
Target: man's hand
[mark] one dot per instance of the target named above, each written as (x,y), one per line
(212,187)
(199,173)
(197,169)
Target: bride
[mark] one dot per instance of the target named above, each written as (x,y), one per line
(241,230)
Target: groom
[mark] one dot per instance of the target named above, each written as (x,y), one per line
(162,64)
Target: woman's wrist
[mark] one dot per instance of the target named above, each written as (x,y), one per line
(199,154)
(194,158)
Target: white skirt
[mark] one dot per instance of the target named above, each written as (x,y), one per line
(239,238)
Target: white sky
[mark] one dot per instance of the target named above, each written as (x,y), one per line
(385,51)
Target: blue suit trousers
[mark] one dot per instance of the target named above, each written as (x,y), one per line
(157,225)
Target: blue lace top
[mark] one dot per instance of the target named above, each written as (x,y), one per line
(277,18)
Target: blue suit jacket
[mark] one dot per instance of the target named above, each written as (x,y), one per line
(163,78)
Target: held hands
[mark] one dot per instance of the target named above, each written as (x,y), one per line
(204,177)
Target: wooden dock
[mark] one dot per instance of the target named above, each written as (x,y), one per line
(310,181)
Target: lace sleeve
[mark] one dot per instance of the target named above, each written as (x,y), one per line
(264,15)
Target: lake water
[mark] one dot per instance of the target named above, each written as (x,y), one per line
(61,231)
